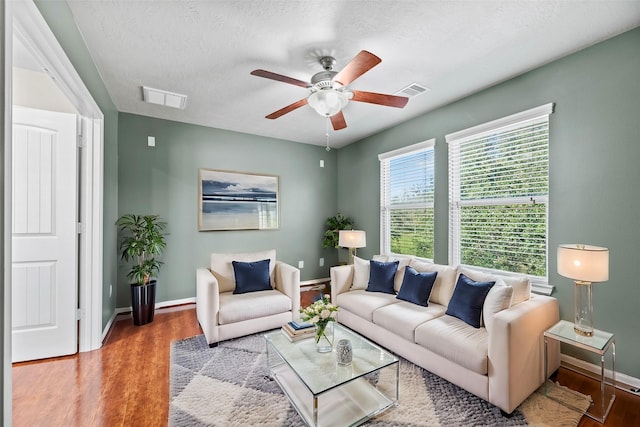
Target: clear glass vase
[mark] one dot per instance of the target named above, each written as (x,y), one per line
(324,338)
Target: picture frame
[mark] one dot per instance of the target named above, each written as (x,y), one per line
(230,200)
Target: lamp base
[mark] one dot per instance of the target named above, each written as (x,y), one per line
(582,332)
(583,309)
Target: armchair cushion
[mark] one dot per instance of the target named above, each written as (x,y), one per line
(251,276)
(222,269)
(252,305)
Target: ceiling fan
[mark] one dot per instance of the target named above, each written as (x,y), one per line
(328,93)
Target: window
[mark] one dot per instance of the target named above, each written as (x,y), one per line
(406,200)
(498,194)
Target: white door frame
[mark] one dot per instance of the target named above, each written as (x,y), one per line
(33,31)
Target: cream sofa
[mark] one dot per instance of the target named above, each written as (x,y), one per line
(500,362)
(223,314)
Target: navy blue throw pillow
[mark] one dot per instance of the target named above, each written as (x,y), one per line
(416,287)
(251,276)
(467,300)
(381,275)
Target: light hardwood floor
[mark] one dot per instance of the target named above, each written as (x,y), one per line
(126,382)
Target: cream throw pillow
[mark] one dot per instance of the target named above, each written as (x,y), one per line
(520,283)
(498,299)
(360,273)
(445,280)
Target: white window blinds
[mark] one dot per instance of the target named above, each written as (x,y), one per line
(406,200)
(498,193)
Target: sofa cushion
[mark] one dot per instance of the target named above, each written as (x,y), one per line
(238,307)
(251,276)
(363,303)
(381,276)
(416,287)
(498,299)
(222,269)
(444,284)
(403,261)
(521,288)
(519,282)
(456,341)
(467,300)
(403,318)
(360,273)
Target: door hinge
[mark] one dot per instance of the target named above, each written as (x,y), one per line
(81,141)
(79,314)
(80,228)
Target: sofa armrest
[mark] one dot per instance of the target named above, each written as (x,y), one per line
(207,303)
(288,282)
(516,351)
(341,280)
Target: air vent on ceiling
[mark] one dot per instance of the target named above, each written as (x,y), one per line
(414,89)
(163,97)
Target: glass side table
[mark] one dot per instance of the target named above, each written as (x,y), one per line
(600,343)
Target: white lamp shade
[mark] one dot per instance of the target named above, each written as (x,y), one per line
(327,102)
(352,239)
(583,263)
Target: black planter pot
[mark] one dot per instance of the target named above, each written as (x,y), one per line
(143,301)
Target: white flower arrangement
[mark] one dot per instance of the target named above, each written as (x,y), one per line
(320,313)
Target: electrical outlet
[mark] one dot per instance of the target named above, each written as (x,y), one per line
(110,290)
(151,141)
(300,264)
(321,262)
(321,163)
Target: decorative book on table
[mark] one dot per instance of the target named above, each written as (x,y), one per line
(300,333)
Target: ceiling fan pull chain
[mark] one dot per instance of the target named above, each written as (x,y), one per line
(326,134)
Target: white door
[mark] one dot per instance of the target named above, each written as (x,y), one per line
(45,206)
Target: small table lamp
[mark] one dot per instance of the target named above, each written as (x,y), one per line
(352,239)
(584,264)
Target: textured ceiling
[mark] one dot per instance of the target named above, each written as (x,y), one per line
(206,50)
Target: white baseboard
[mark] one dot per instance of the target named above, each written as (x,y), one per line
(107,327)
(123,310)
(623,381)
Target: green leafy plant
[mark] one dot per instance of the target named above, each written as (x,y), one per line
(143,240)
(334,225)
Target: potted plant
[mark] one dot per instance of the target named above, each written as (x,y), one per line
(334,225)
(143,240)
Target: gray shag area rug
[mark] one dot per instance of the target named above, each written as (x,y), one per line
(230,386)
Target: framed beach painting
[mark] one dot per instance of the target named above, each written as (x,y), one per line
(237,201)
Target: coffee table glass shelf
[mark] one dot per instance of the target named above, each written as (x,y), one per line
(600,344)
(328,394)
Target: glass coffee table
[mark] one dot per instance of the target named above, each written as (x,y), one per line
(326,393)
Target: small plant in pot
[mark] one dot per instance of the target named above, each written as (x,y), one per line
(143,240)
(333,226)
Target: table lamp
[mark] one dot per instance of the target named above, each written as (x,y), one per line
(352,239)
(583,264)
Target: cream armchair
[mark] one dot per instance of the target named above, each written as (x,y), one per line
(223,314)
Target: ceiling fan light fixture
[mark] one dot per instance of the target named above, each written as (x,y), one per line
(328,102)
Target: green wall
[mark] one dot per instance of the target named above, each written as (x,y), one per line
(60,20)
(594,171)
(164,180)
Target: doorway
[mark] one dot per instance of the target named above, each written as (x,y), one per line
(32,35)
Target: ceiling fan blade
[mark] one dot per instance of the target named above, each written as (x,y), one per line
(279,77)
(363,62)
(338,121)
(380,98)
(289,108)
